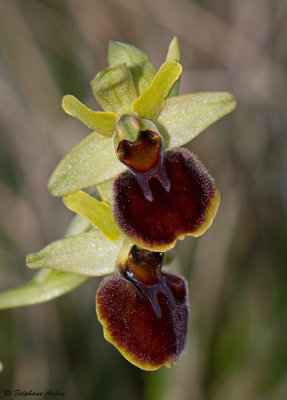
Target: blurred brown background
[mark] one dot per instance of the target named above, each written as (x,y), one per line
(236,347)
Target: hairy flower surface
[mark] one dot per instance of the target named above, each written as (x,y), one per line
(149,193)
(144,311)
(162,199)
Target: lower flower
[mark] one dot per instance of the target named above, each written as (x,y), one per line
(144,311)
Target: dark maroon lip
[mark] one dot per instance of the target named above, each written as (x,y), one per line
(170,214)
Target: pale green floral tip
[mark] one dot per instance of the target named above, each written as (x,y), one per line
(114,89)
(136,60)
(103,123)
(173,53)
(97,212)
(87,253)
(149,104)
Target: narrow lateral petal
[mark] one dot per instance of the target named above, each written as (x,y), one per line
(143,311)
(136,60)
(114,89)
(97,212)
(174,54)
(87,253)
(149,104)
(188,208)
(91,162)
(103,123)
(184,117)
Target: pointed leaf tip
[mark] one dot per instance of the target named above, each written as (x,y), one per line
(173,50)
(174,54)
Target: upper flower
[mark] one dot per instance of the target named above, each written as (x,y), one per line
(143,116)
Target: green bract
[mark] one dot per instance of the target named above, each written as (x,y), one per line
(134,96)
(89,252)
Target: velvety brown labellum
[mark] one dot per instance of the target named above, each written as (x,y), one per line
(147,323)
(171,214)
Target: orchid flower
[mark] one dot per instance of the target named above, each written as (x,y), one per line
(149,193)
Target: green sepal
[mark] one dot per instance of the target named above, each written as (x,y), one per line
(103,123)
(114,89)
(88,253)
(97,212)
(45,286)
(173,53)
(136,60)
(91,162)
(149,104)
(184,117)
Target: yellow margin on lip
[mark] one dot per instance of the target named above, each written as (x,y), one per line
(210,215)
(130,357)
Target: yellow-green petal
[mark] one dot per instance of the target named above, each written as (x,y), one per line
(174,54)
(103,123)
(136,60)
(97,212)
(184,117)
(114,89)
(91,162)
(149,104)
(87,253)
